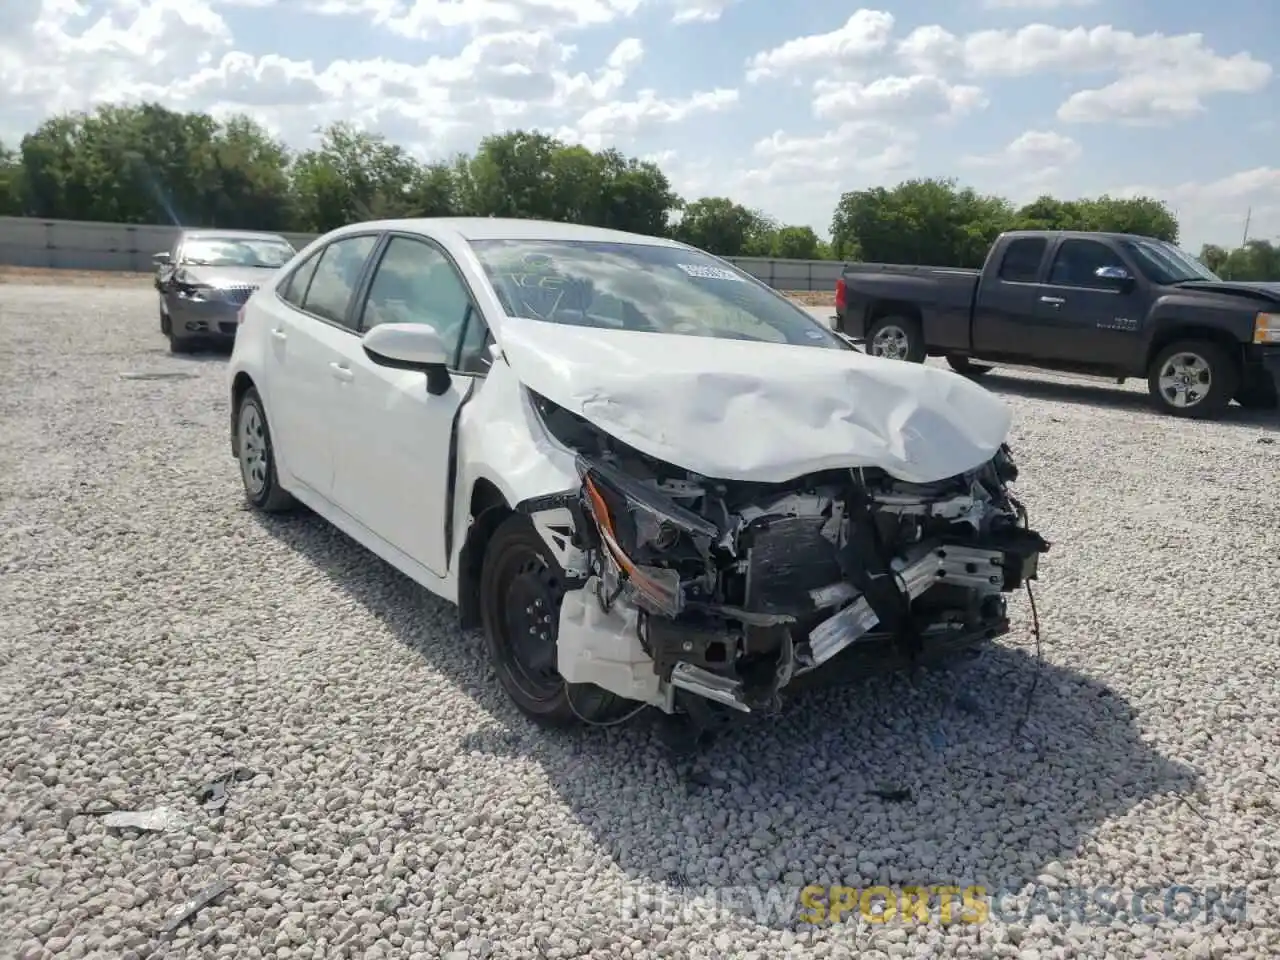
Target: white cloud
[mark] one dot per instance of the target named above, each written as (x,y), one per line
(865,33)
(699,11)
(424,19)
(1034,148)
(902,97)
(1159,77)
(618,122)
(1037,4)
(1216,210)
(1030,164)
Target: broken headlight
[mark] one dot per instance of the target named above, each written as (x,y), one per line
(644,535)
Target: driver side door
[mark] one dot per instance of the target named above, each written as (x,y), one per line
(393,441)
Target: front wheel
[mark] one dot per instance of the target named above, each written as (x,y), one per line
(257,457)
(521,589)
(1193,378)
(896,338)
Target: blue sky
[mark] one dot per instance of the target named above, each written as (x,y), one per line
(778,105)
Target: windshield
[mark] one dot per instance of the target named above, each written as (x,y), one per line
(633,286)
(237,252)
(1165,263)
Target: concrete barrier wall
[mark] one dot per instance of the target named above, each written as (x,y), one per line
(78,245)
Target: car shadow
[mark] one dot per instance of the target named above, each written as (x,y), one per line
(978,775)
(1113,397)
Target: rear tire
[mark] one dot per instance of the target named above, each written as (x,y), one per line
(1194,379)
(966,367)
(896,338)
(257,457)
(521,589)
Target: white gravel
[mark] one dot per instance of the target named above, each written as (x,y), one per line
(155,635)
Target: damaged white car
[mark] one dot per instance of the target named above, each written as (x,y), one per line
(651,479)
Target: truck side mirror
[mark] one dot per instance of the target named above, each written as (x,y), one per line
(1118,276)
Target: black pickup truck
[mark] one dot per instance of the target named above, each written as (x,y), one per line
(1103,304)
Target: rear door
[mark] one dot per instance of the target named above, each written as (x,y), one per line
(310,332)
(394,440)
(1085,318)
(1004,311)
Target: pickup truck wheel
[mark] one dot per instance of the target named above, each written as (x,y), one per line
(896,338)
(521,588)
(1193,378)
(965,366)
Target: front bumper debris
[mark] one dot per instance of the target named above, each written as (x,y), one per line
(734,593)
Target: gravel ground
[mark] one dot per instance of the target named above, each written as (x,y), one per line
(155,635)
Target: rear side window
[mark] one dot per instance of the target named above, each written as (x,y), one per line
(1021,263)
(336,276)
(295,288)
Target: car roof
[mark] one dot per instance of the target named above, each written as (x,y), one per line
(228,234)
(505,228)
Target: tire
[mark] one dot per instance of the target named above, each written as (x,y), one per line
(1194,379)
(1259,394)
(166,325)
(966,367)
(179,345)
(519,570)
(896,338)
(257,457)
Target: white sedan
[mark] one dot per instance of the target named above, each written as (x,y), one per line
(651,479)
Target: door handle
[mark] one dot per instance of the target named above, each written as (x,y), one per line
(279,334)
(342,373)
(1056,301)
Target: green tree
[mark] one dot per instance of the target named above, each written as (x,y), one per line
(12,188)
(1050,213)
(727,229)
(919,222)
(1143,216)
(352,176)
(1256,260)
(796,243)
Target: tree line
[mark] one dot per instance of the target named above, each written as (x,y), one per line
(149,164)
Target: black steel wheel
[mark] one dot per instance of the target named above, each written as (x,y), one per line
(521,589)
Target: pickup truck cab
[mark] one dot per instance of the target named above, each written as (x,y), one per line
(1102,304)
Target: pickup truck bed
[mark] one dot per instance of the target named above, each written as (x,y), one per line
(1111,305)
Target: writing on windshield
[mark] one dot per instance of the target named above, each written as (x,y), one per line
(642,287)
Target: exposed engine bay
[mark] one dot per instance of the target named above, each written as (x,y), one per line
(730,590)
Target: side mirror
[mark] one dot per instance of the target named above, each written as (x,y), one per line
(1118,274)
(410,346)
(160,259)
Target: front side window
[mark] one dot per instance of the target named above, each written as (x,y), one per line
(265,253)
(416,283)
(1077,262)
(642,287)
(336,277)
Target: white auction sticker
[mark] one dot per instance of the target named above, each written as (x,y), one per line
(709,273)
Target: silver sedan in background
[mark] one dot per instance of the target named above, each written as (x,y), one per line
(207,277)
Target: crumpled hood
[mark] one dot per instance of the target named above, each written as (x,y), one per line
(745,410)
